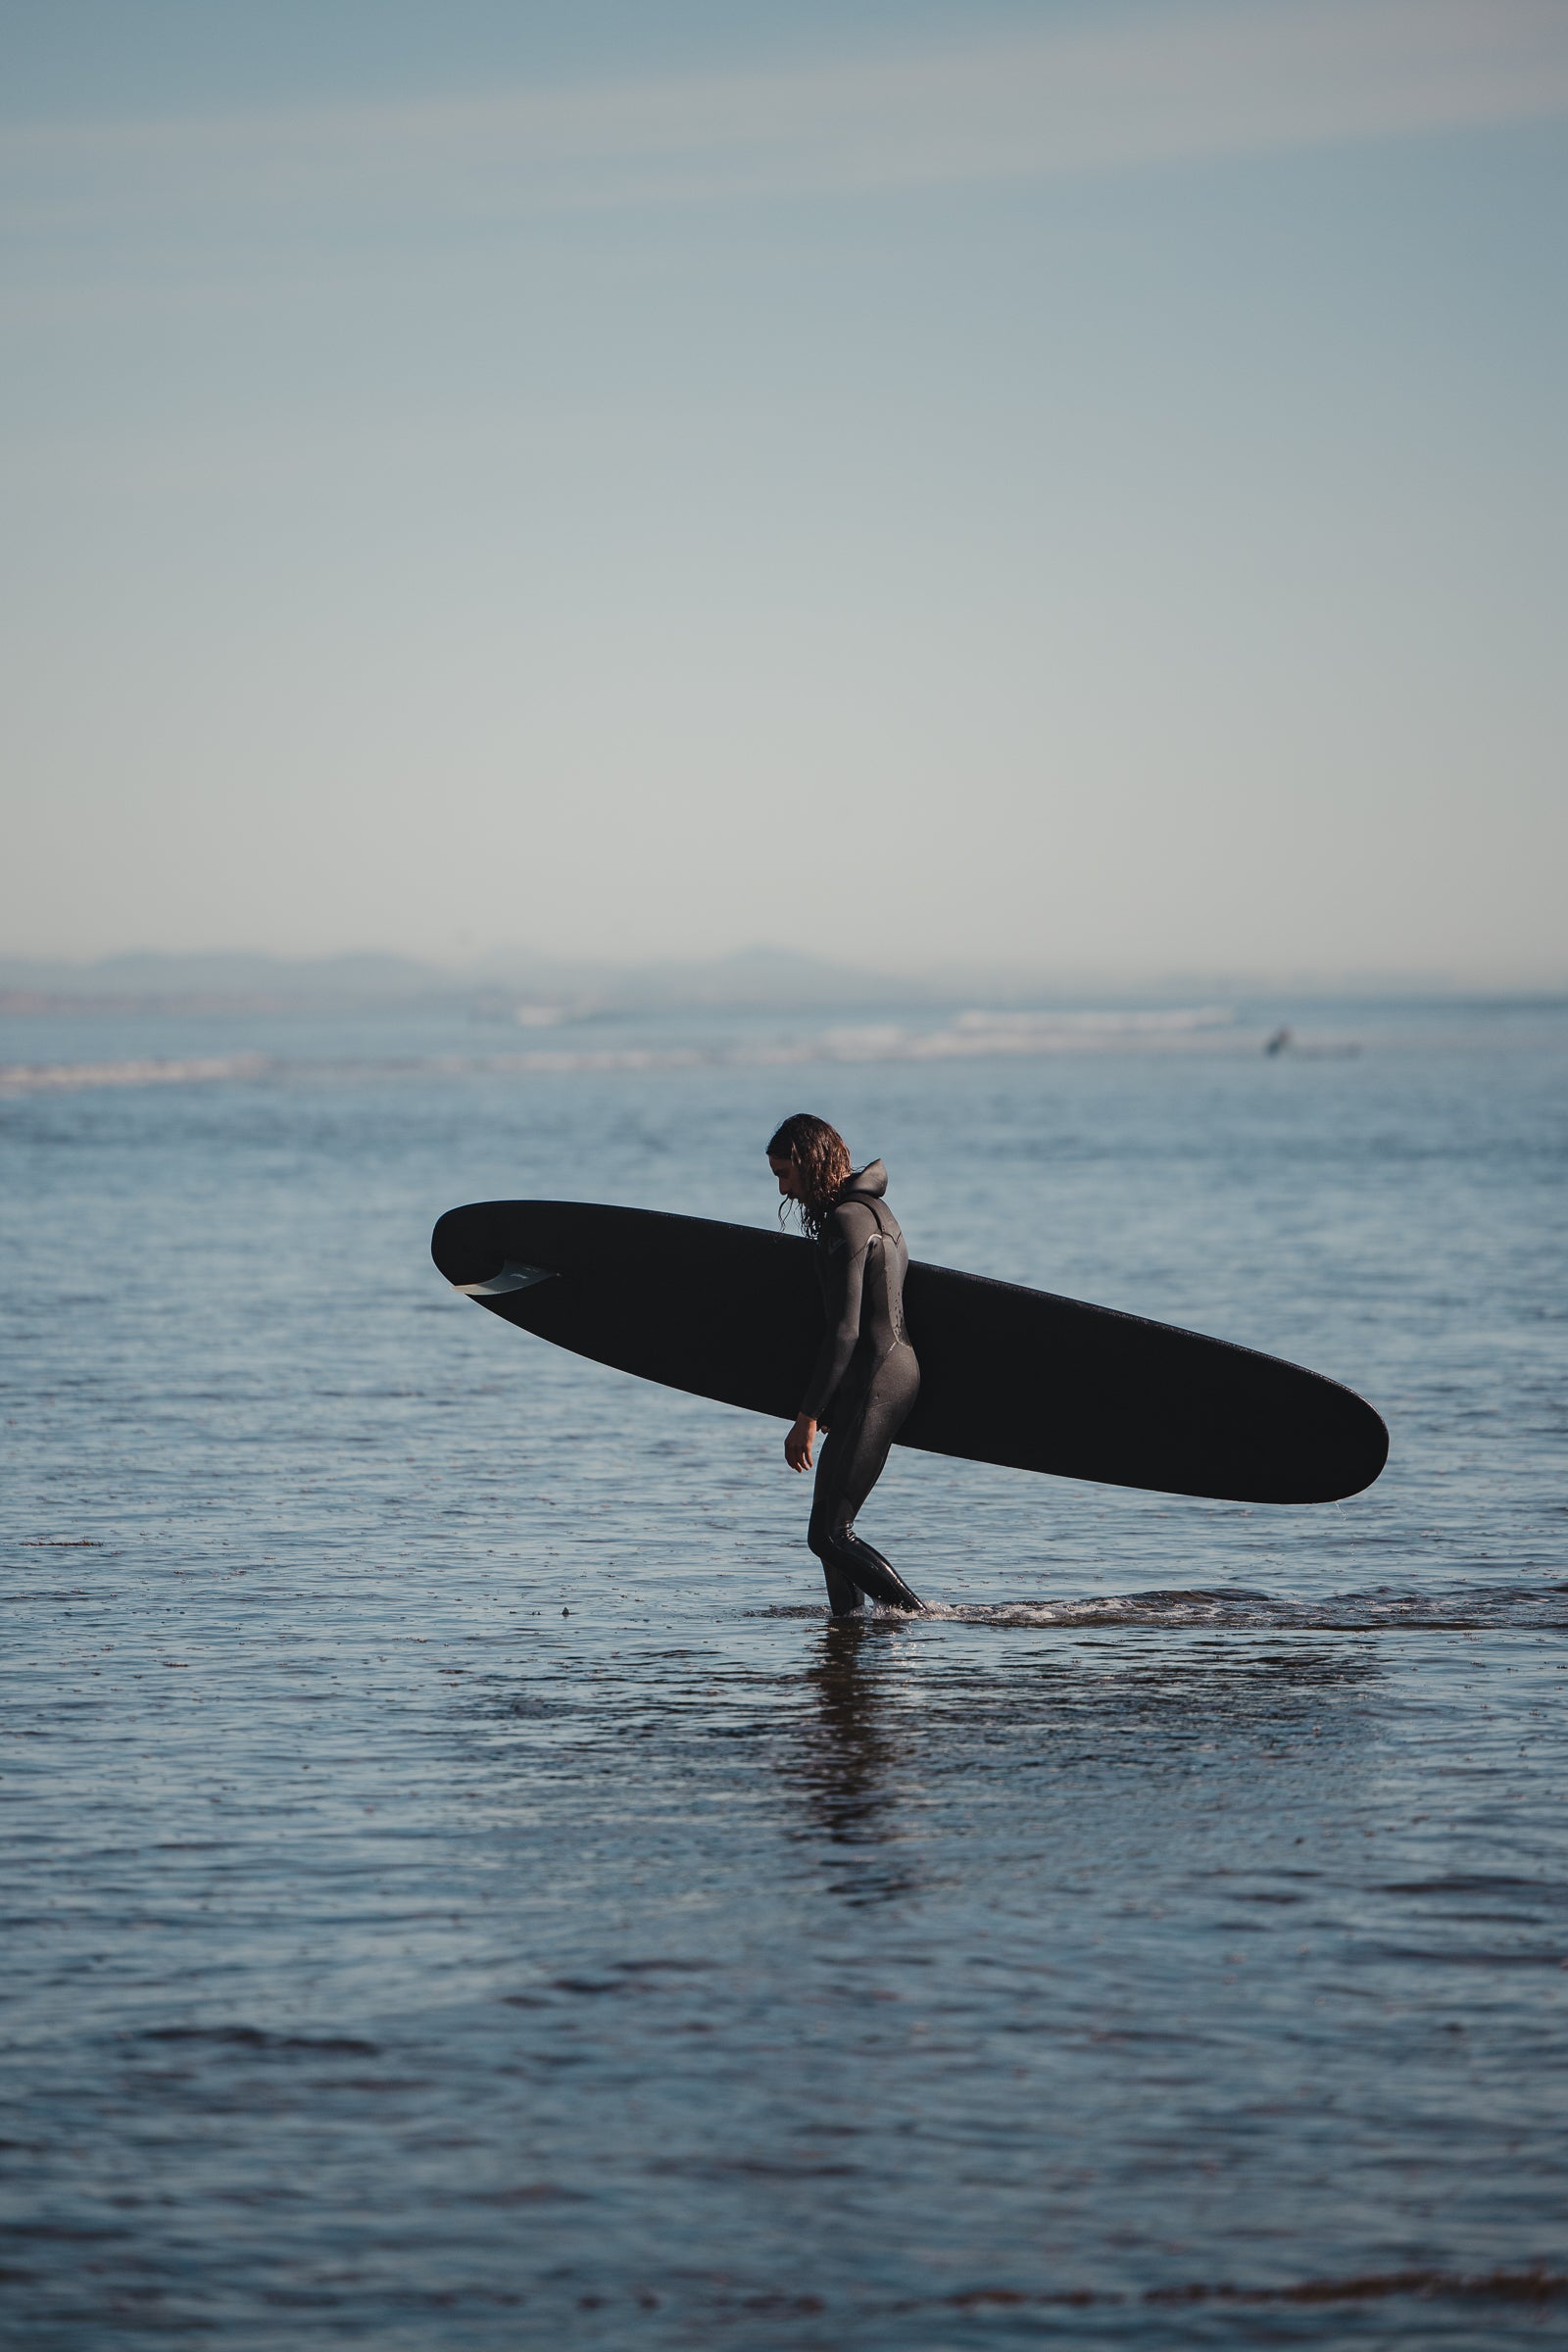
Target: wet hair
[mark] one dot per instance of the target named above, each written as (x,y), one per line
(822,1159)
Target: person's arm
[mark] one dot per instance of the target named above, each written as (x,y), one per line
(845,1267)
(846,1260)
(799,1441)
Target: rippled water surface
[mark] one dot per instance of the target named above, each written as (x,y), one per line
(460,1889)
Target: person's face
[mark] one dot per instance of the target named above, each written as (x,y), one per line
(789,1178)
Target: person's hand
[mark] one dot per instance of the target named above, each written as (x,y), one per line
(797,1445)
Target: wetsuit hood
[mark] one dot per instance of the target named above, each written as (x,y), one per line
(873,1179)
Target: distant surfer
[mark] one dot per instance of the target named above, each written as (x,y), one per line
(866,1380)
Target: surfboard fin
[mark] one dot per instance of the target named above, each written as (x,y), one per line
(512,1277)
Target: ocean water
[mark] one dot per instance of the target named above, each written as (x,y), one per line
(459,1888)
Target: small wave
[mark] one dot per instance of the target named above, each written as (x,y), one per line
(1168,1022)
(62,1077)
(1457,1608)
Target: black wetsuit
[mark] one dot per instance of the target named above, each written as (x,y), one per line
(862,1385)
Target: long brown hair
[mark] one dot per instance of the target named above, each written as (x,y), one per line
(821,1158)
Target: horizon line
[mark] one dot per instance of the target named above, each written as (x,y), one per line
(486,969)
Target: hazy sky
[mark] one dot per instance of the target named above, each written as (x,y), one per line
(1073,483)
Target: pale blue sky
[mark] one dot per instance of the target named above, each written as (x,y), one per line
(1078,486)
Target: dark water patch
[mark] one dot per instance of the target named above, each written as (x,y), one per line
(1532,2287)
(1538,1890)
(533,2193)
(1494,1956)
(675,1968)
(252,2037)
(1536,2285)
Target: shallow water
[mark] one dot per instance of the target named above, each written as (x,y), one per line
(460,1889)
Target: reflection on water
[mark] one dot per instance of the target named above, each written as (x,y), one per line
(846,1749)
(888,1727)
(886,1747)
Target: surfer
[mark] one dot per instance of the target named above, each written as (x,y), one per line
(866,1380)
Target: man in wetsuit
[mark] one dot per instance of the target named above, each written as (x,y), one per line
(864,1381)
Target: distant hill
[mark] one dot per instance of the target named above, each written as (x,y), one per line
(502,984)
(222,979)
(763,977)
(240,981)
(221,972)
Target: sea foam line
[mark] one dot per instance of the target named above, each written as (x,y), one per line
(59,1077)
(969,1035)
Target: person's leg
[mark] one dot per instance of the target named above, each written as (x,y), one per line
(844,1596)
(875,1576)
(858,1462)
(843,1593)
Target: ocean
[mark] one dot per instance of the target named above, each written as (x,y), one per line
(483,1902)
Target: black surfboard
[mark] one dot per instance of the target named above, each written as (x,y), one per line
(1008,1375)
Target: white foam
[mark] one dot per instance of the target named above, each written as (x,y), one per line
(969,1035)
(60,1077)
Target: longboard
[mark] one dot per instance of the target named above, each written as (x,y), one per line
(1009,1375)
